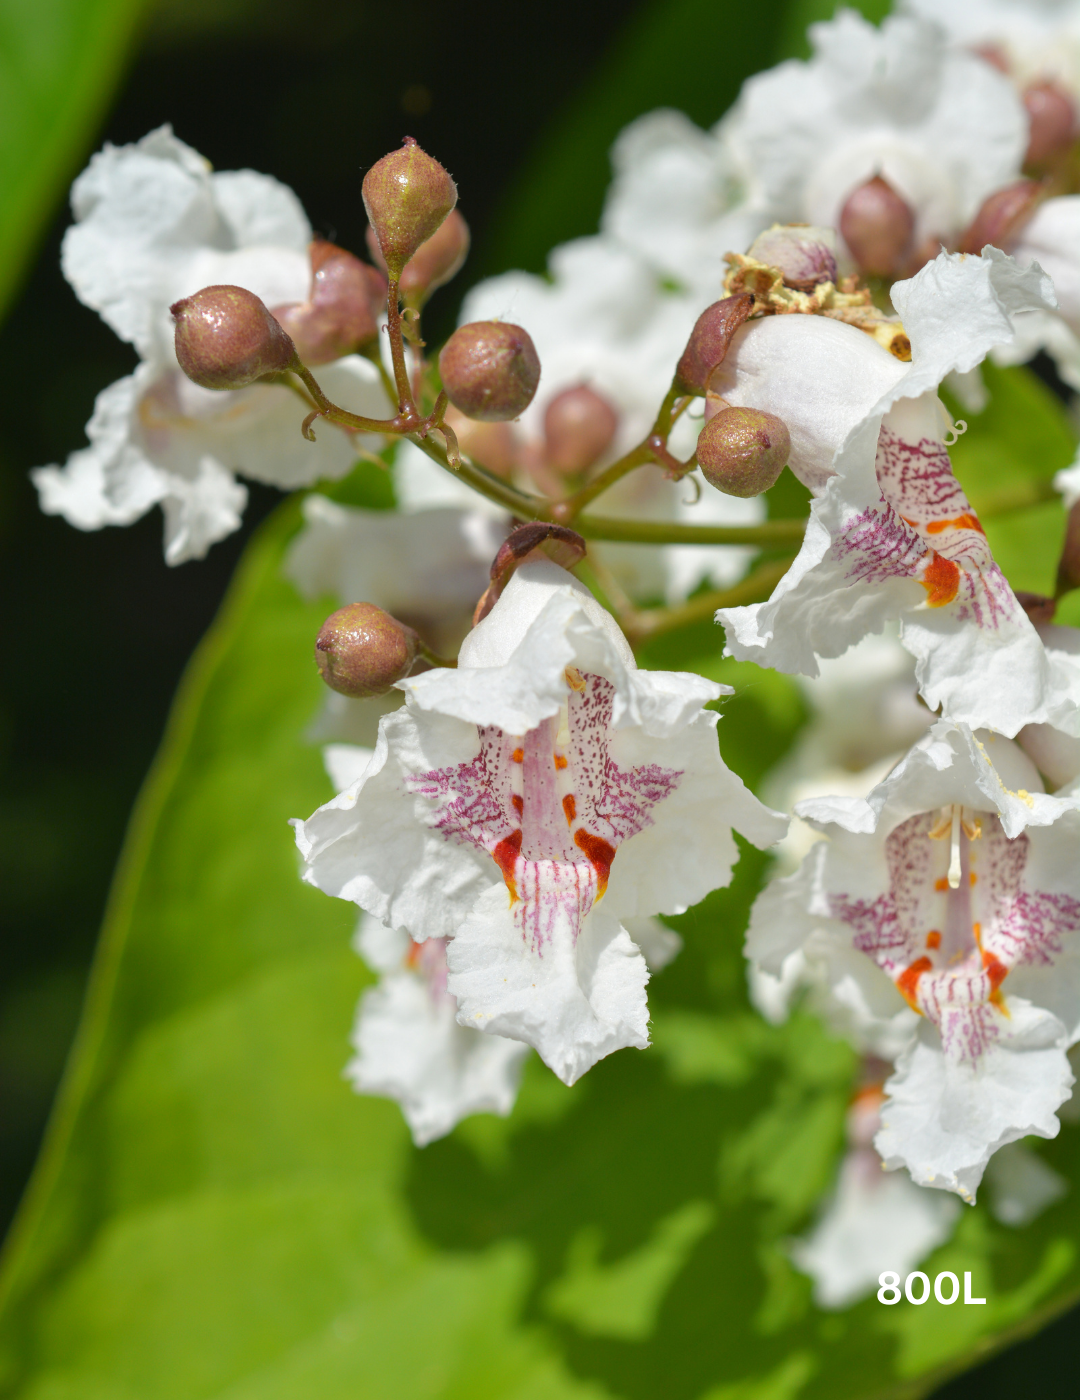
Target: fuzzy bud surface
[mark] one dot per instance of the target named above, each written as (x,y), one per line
(361,651)
(490,370)
(741,451)
(226,338)
(407,196)
(341,313)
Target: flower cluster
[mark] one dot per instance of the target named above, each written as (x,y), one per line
(806,286)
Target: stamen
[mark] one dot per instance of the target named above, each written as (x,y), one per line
(954,862)
(574,679)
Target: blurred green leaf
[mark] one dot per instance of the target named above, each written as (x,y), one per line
(1009,450)
(59,63)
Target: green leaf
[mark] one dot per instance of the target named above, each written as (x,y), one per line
(1006,460)
(59,63)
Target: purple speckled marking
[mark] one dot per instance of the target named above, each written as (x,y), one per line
(919,516)
(1015,925)
(473,803)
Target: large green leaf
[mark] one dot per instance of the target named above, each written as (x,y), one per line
(59,61)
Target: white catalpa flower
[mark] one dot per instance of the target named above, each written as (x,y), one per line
(956,888)
(891,534)
(1034,41)
(873,1220)
(496,806)
(409,1046)
(940,126)
(152,225)
(604,321)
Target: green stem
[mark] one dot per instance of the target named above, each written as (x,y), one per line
(397,350)
(517,502)
(754,588)
(774,533)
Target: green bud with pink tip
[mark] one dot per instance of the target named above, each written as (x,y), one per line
(407,196)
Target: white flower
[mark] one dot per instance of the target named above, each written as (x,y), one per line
(891,534)
(1037,40)
(941,126)
(409,1046)
(956,889)
(496,806)
(604,320)
(1051,237)
(153,224)
(873,1220)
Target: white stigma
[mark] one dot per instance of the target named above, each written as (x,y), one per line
(954,841)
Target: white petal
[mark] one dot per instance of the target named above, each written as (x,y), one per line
(943,1119)
(345,764)
(575,1003)
(658,944)
(410,1048)
(873,1221)
(1051,238)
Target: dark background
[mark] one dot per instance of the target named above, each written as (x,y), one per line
(97,628)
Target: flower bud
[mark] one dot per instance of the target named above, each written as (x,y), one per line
(804,255)
(709,341)
(878,226)
(226,338)
(490,370)
(579,427)
(361,651)
(1001,216)
(1052,116)
(532,540)
(434,262)
(493,445)
(341,313)
(741,451)
(407,195)
(1068,576)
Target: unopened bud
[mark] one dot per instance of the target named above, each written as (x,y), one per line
(878,226)
(1052,116)
(434,262)
(709,341)
(579,427)
(361,651)
(407,195)
(342,312)
(226,338)
(741,451)
(1069,565)
(804,255)
(490,370)
(493,445)
(1002,215)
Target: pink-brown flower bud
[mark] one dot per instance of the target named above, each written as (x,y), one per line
(804,255)
(490,370)
(1069,565)
(709,341)
(1052,116)
(878,226)
(226,338)
(361,650)
(407,195)
(341,313)
(741,451)
(493,445)
(579,427)
(434,262)
(1002,215)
